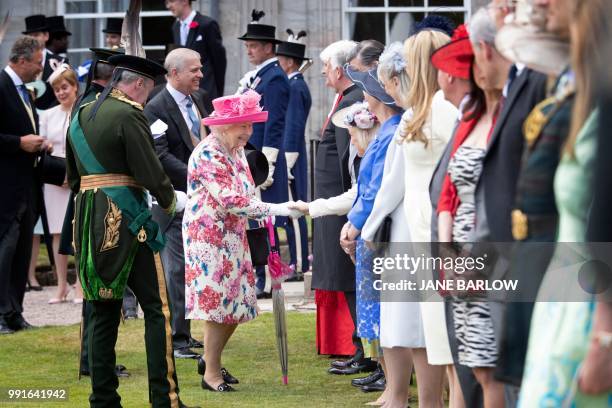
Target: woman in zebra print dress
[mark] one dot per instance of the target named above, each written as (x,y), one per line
(472,320)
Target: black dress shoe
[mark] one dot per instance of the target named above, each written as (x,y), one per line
(185,353)
(121,371)
(362,366)
(264,295)
(35,288)
(374,376)
(346,363)
(227,377)
(376,386)
(17,322)
(223,387)
(4,327)
(297,277)
(193,343)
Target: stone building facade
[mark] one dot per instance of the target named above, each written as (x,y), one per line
(325,21)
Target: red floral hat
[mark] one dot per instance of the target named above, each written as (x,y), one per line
(237,109)
(456,57)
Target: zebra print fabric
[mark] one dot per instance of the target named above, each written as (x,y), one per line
(472,320)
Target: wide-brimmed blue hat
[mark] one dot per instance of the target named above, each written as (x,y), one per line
(368,82)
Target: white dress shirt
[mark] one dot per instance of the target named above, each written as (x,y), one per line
(519,70)
(181,100)
(14,77)
(184,27)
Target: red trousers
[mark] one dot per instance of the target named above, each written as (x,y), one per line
(334,324)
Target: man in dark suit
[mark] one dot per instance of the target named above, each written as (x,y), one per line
(496,187)
(333,269)
(181,112)
(56,43)
(202,34)
(290,56)
(270,81)
(19,145)
(495,197)
(112,32)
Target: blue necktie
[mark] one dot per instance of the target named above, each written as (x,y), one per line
(195,123)
(512,76)
(25,94)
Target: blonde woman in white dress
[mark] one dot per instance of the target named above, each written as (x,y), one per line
(422,138)
(54,123)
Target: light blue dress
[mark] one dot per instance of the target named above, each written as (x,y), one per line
(561,331)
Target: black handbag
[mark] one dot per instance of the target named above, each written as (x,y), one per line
(258,243)
(383,233)
(51,169)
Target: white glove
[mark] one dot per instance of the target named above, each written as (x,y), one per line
(291,158)
(244,82)
(149,199)
(271,155)
(270,180)
(181,200)
(284,210)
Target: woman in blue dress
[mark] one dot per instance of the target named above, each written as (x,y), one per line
(388,114)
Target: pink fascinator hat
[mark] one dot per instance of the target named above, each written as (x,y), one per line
(237,109)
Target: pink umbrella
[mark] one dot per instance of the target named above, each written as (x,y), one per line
(279,271)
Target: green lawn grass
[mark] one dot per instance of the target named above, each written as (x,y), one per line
(48,358)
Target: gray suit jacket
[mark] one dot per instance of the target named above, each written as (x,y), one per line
(435,185)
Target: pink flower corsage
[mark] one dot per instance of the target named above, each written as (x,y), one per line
(194,24)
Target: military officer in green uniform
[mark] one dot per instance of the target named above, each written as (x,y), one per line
(112,167)
(100,74)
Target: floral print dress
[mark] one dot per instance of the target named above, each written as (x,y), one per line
(219,279)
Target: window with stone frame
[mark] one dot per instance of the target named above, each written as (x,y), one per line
(86,19)
(394,20)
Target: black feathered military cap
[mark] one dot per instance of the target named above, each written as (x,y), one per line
(138,65)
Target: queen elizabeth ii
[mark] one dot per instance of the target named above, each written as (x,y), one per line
(219,279)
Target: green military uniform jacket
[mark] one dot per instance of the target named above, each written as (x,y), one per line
(106,235)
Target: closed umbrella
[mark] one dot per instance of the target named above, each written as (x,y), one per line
(278,272)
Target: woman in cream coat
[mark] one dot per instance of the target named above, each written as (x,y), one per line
(422,136)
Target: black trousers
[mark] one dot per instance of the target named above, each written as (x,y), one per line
(173,258)
(149,285)
(351,300)
(15,254)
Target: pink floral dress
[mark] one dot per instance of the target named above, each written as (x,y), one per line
(219,279)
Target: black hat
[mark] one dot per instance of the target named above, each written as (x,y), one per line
(103,54)
(292,48)
(138,65)
(259,32)
(35,23)
(122,62)
(258,164)
(436,22)
(56,25)
(113,26)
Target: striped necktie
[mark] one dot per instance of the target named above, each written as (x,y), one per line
(195,123)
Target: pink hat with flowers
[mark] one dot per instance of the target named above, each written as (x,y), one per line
(237,109)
